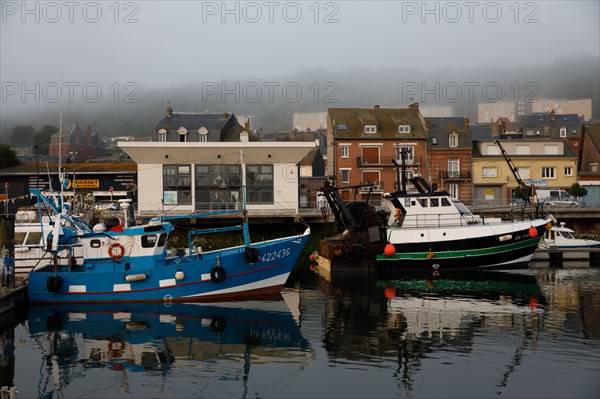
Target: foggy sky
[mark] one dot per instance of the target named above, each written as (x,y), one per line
(151,45)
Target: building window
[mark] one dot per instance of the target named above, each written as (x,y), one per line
(403,129)
(453,140)
(345,151)
(548,172)
(345,175)
(370,129)
(162,135)
(218,186)
(453,191)
(177,184)
(182,132)
(409,151)
(563,132)
(203,135)
(489,172)
(259,182)
(434,140)
(568,171)
(453,168)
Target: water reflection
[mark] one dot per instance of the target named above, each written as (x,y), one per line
(157,340)
(468,320)
(517,333)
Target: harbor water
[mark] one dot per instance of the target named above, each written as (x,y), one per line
(526,333)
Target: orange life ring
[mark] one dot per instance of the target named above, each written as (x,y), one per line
(116,251)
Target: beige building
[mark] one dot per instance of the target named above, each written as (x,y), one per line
(440,111)
(490,112)
(581,107)
(545,163)
(309,121)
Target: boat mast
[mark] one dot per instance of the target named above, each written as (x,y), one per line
(244,210)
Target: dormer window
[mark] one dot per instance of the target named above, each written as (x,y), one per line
(546,131)
(563,132)
(182,132)
(403,129)
(162,135)
(370,129)
(434,140)
(453,140)
(203,134)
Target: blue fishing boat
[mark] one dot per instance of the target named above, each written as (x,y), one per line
(132,264)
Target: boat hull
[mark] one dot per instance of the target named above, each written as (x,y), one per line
(478,247)
(184,279)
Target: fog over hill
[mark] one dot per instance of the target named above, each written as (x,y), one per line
(130,109)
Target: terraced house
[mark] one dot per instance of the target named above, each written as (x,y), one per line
(546,163)
(364,141)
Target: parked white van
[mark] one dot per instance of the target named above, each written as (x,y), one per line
(556,197)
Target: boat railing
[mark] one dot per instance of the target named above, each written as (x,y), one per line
(437,220)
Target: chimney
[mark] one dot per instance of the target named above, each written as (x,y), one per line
(244,137)
(428,124)
(169,111)
(225,115)
(552,115)
(414,108)
(466,124)
(494,130)
(247,124)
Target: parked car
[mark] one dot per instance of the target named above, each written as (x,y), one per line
(562,202)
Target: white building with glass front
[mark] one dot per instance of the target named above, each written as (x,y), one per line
(177,178)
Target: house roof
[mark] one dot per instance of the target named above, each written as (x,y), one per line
(221,126)
(440,128)
(542,119)
(350,122)
(593,132)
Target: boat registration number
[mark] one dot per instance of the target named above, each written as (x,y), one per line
(269,256)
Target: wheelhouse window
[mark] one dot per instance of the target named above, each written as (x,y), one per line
(149,241)
(177,184)
(259,183)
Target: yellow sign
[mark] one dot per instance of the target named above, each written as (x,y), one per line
(86,183)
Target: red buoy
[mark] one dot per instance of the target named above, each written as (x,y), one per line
(389,250)
(312,257)
(533,232)
(389,292)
